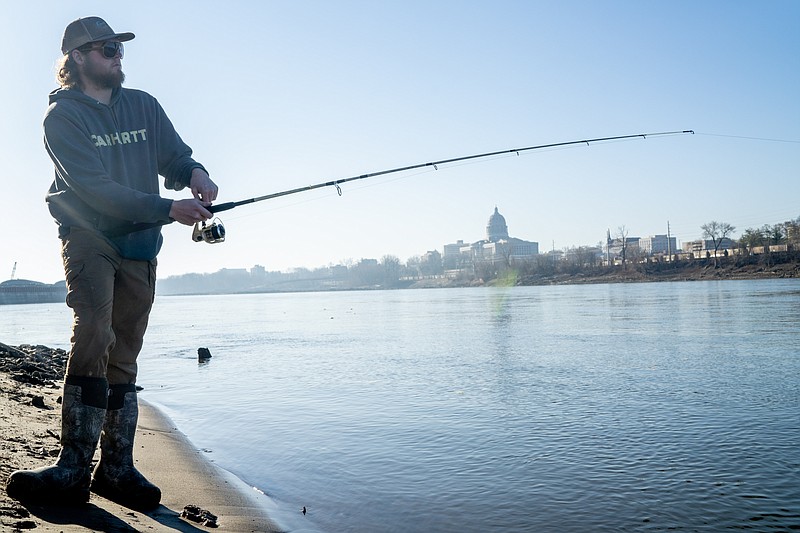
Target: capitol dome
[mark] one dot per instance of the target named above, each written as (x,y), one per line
(496,229)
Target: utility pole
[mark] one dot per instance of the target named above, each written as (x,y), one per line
(669,244)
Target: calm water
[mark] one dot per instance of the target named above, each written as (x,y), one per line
(637,407)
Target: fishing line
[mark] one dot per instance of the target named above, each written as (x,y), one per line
(750,138)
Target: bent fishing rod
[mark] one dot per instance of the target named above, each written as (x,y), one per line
(215,232)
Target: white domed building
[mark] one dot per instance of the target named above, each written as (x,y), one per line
(496,229)
(498,247)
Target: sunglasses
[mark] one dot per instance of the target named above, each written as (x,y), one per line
(110,49)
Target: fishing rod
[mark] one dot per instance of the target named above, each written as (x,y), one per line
(215,232)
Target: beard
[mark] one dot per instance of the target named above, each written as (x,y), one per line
(103,77)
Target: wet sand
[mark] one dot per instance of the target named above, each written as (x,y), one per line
(30,417)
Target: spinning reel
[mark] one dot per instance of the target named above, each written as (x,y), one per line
(211,233)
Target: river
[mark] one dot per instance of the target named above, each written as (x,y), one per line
(621,407)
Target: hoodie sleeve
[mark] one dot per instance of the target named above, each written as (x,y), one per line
(79,169)
(175,161)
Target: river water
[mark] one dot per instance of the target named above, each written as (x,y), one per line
(624,407)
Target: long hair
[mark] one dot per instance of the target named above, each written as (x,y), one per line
(67,73)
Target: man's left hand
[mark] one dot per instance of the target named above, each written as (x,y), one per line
(203,189)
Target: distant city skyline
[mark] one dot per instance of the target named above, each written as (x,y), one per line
(497,229)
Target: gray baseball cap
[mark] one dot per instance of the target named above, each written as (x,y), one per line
(89,30)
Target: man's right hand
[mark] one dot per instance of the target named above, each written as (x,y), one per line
(189,211)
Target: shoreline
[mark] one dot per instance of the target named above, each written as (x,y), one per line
(30,415)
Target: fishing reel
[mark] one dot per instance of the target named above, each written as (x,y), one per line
(211,233)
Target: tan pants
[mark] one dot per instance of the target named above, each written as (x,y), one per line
(111,298)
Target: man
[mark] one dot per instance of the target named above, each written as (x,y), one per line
(109,145)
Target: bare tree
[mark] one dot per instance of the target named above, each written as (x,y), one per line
(414,266)
(504,249)
(717,232)
(431,264)
(390,265)
(622,234)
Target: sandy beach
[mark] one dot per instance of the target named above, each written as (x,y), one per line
(30,390)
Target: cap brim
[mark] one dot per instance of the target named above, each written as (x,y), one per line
(123,37)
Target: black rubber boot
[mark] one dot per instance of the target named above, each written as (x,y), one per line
(115,477)
(83,410)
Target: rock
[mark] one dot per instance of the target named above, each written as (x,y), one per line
(203,354)
(38,401)
(201,516)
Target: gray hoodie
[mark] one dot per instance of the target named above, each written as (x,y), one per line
(107,162)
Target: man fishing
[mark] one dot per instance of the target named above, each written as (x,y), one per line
(109,145)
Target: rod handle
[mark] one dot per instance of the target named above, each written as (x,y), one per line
(222,207)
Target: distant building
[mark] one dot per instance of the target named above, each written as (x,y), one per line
(707,245)
(451,258)
(233,272)
(792,230)
(658,244)
(615,246)
(497,247)
(496,228)
(432,256)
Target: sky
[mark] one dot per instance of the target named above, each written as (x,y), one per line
(278,95)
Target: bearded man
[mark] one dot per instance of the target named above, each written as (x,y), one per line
(109,145)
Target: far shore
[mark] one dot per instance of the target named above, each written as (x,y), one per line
(781,266)
(697,270)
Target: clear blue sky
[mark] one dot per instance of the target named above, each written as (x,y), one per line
(276,95)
